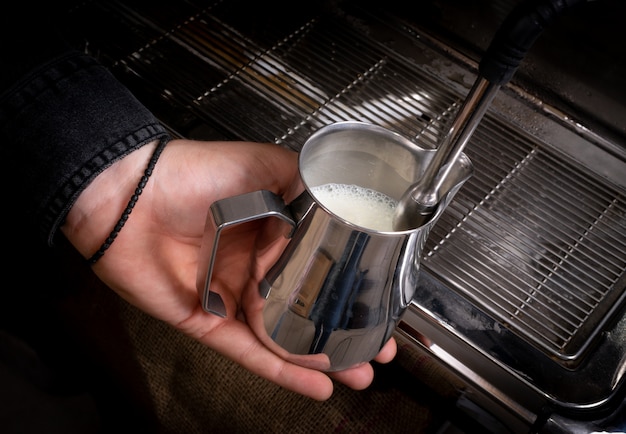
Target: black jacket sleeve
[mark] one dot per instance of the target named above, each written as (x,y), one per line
(64,118)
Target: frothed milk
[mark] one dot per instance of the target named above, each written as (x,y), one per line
(361,206)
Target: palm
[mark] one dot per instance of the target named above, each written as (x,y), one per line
(153,262)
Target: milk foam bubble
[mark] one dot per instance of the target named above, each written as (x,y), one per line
(362,206)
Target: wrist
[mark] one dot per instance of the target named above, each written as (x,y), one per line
(99,207)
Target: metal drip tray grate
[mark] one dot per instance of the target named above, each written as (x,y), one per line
(535,239)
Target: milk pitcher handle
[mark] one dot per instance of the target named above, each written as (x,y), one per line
(228,212)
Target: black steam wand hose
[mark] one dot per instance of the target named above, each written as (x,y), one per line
(513,39)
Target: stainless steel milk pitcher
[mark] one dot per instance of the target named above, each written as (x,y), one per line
(337,292)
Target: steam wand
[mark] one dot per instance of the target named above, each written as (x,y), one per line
(509,46)
(420,200)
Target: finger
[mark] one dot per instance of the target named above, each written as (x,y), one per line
(360,377)
(388,352)
(357,378)
(236,341)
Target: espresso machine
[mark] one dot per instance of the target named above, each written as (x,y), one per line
(521,295)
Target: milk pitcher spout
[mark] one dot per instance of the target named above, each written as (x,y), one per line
(342,282)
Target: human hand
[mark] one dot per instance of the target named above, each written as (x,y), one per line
(153,262)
